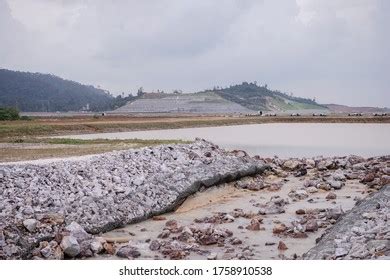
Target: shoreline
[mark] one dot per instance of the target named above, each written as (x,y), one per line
(57,232)
(58,126)
(265,139)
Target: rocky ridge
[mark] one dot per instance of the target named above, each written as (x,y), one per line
(363,233)
(58,210)
(284,211)
(52,209)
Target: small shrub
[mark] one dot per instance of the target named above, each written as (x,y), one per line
(25,118)
(9,114)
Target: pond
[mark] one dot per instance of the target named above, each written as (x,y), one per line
(280,139)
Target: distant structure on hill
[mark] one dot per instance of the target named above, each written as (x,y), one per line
(202,103)
(36,92)
(246,98)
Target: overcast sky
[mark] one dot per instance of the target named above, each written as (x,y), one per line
(334,50)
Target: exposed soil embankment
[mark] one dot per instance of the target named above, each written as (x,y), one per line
(62,203)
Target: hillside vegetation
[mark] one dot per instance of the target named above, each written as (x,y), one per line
(244,98)
(9,114)
(36,92)
(255,97)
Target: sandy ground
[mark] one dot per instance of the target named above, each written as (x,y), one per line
(25,152)
(226,198)
(42,150)
(46,160)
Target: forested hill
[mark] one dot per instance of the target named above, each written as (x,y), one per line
(255,97)
(36,92)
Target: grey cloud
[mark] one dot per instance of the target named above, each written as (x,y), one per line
(334,50)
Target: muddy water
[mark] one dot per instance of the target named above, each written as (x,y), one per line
(281,139)
(226,198)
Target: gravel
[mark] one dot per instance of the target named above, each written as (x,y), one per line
(103,192)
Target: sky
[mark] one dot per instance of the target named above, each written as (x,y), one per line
(336,51)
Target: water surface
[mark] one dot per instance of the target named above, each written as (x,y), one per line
(280,139)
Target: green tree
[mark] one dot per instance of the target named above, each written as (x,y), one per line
(9,114)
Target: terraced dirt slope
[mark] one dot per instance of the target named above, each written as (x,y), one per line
(242,98)
(205,102)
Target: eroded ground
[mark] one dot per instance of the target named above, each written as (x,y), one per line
(275,216)
(278,213)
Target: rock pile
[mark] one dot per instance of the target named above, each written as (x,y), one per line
(308,221)
(40,203)
(178,241)
(332,173)
(363,233)
(58,210)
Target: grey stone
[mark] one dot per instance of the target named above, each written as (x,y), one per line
(336,184)
(340,252)
(128,252)
(77,231)
(46,252)
(70,246)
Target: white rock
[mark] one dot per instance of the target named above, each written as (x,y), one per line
(340,252)
(138,181)
(312,190)
(212,256)
(96,247)
(30,224)
(97,192)
(229,217)
(369,215)
(310,163)
(119,189)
